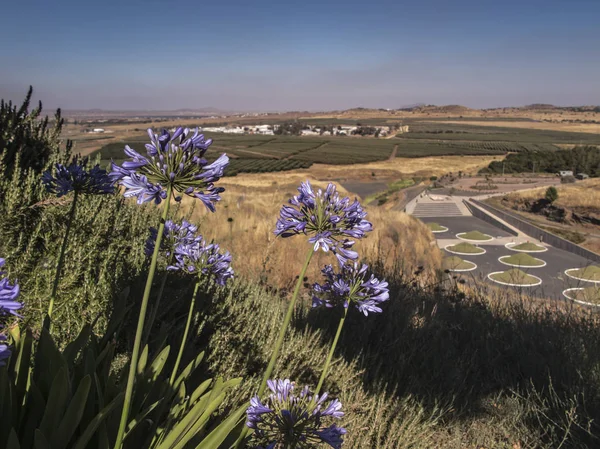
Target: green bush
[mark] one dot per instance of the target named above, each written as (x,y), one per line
(551,194)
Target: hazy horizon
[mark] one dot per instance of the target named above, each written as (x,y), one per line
(141,55)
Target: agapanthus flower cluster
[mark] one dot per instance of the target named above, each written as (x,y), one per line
(204,258)
(351,286)
(287,419)
(76,177)
(8,306)
(330,221)
(174,236)
(175,160)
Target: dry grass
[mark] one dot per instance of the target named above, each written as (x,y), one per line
(570,127)
(246,220)
(582,195)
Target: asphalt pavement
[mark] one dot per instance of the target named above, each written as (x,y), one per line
(554,280)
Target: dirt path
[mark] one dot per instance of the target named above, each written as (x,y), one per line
(393,155)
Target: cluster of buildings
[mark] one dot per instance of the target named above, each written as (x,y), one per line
(267,130)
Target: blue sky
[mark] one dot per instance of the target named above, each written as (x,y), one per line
(309,55)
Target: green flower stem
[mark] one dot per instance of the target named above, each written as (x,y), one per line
(286,323)
(140,326)
(331,351)
(61,257)
(185,333)
(154,309)
(279,343)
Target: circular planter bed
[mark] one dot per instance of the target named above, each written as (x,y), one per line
(587,274)
(514,278)
(526,247)
(456,264)
(588,296)
(436,228)
(474,236)
(522,260)
(465,249)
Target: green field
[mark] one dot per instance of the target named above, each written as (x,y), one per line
(473,133)
(279,153)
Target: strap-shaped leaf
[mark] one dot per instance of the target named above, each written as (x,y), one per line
(73,348)
(191,424)
(188,370)
(159,363)
(56,404)
(48,362)
(199,391)
(72,417)
(13,440)
(34,411)
(40,441)
(6,406)
(139,418)
(93,426)
(215,438)
(142,361)
(22,367)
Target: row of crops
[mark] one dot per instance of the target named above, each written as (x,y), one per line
(264,165)
(450,131)
(251,154)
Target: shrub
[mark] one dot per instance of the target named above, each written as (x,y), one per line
(27,137)
(551,194)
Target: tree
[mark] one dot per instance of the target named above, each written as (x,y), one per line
(551,194)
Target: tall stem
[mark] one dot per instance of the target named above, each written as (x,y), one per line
(185,333)
(279,343)
(331,351)
(286,322)
(140,326)
(61,257)
(154,309)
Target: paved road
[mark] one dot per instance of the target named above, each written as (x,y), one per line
(554,281)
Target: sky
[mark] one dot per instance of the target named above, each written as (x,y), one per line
(304,55)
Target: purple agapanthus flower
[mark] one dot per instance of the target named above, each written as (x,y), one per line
(8,306)
(201,257)
(174,235)
(351,286)
(286,419)
(4,351)
(172,159)
(76,177)
(8,295)
(330,221)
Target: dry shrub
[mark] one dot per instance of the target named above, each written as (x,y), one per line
(582,195)
(246,219)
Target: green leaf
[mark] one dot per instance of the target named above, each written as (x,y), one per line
(158,363)
(193,422)
(199,391)
(73,348)
(40,441)
(34,411)
(93,426)
(6,405)
(142,361)
(72,416)
(215,438)
(23,365)
(57,402)
(13,440)
(139,418)
(188,370)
